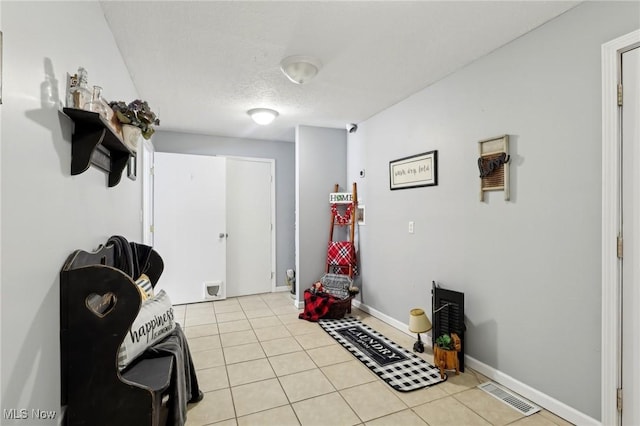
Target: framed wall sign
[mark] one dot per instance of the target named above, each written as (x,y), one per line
(415,171)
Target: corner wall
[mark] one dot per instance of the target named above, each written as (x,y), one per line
(529,267)
(321,162)
(46,212)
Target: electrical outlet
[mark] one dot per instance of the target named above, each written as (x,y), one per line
(411,227)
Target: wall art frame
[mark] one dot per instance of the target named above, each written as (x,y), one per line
(493,165)
(414,171)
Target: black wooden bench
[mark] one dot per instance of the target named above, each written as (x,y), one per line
(93,389)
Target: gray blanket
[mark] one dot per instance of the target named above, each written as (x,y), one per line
(184,383)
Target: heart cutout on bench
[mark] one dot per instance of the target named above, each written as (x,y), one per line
(101,305)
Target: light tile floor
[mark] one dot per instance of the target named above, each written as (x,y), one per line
(258,364)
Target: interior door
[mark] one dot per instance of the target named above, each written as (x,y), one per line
(190,223)
(630,377)
(249,220)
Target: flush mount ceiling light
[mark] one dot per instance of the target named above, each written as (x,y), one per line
(300,69)
(262,116)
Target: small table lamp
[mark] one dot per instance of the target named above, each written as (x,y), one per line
(419,323)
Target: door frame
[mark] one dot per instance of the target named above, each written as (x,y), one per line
(611,338)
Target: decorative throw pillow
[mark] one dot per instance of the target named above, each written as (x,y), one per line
(145,287)
(154,322)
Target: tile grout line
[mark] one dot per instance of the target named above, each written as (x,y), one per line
(317,366)
(289,403)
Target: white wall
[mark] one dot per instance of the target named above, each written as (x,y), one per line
(529,267)
(321,162)
(357,162)
(282,152)
(1,315)
(46,213)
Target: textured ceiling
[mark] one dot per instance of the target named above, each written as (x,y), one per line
(202,65)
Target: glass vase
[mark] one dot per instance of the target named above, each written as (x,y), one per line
(96,104)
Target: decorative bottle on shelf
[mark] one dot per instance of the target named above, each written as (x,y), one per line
(81,93)
(72,85)
(108,112)
(95,104)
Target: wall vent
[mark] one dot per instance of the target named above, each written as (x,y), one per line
(214,290)
(514,401)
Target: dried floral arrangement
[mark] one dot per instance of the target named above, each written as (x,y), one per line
(137,113)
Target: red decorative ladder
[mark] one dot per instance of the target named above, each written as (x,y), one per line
(341,255)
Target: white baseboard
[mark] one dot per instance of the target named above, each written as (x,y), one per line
(550,404)
(543,400)
(387,319)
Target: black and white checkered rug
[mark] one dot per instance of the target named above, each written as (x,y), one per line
(401,369)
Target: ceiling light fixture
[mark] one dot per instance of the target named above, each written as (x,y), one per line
(299,68)
(262,116)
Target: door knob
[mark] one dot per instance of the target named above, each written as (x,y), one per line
(222,235)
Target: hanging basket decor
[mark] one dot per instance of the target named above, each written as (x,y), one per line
(131,135)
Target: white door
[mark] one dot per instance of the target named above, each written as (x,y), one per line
(190,223)
(630,377)
(250,223)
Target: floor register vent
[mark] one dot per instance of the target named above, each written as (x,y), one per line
(509,398)
(214,290)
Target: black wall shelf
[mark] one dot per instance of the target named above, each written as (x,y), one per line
(94,142)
